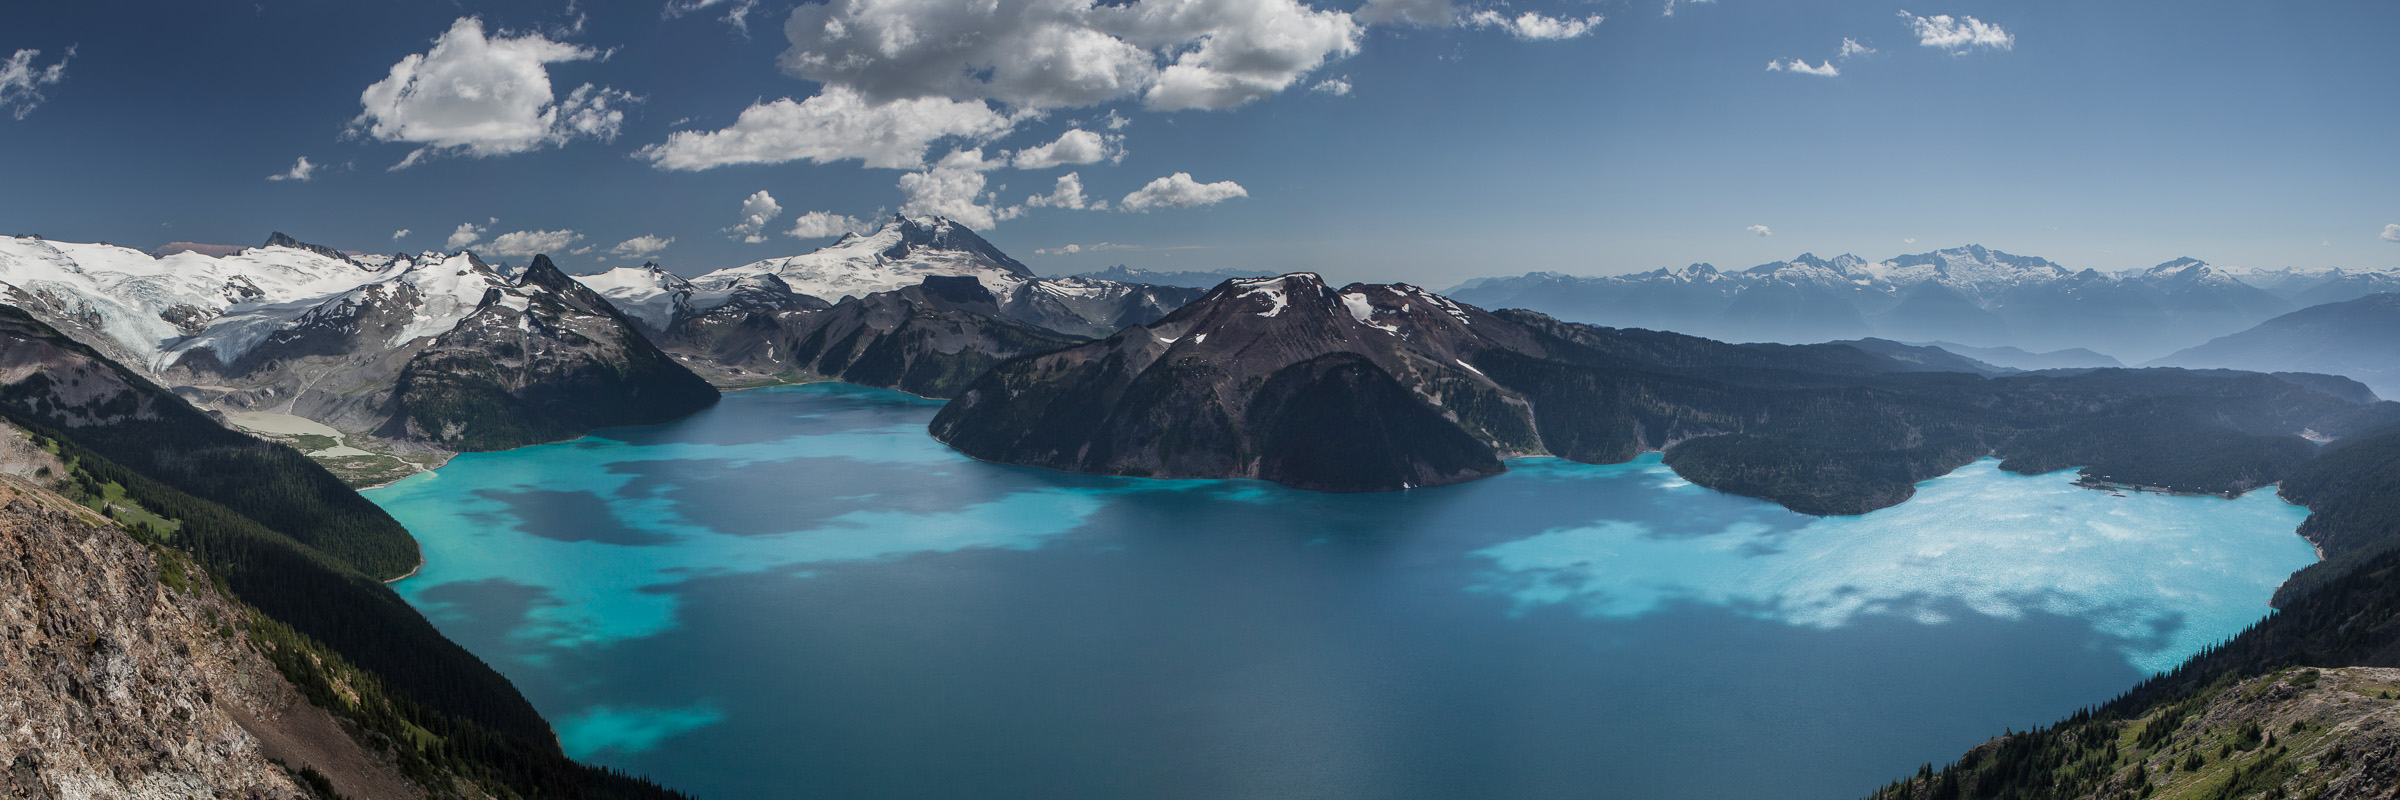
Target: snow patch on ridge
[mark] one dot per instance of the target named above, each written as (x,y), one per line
(1364,312)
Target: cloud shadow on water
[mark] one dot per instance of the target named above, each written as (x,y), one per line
(484,616)
(569,516)
(775,414)
(756,498)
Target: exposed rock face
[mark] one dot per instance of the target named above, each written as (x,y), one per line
(1092,308)
(1283,379)
(930,339)
(115,684)
(546,362)
(281,239)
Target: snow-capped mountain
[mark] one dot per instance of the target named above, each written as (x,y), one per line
(647,293)
(136,308)
(902,254)
(1972,295)
(303,329)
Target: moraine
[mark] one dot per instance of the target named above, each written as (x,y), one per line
(798,593)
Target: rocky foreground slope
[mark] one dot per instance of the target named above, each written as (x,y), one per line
(304,557)
(125,673)
(2299,732)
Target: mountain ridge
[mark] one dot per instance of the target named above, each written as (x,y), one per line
(1972,294)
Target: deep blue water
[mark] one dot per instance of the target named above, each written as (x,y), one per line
(799,594)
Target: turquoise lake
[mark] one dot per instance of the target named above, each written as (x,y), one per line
(798,593)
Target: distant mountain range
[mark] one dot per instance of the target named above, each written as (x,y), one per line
(1970,295)
(1187,278)
(2359,339)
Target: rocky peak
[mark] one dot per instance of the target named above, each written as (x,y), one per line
(281,239)
(940,233)
(960,289)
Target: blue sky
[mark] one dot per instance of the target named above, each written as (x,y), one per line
(1471,139)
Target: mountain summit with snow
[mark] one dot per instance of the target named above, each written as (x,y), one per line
(904,253)
(900,254)
(296,328)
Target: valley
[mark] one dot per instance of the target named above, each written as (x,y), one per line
(949,410)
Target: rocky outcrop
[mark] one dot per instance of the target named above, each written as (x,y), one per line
(123,673)
(548,361)
(1283,379)
(281,239)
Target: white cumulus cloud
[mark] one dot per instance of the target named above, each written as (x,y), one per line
(643,246)
(1067,193)
(1333,86)
(526,243)
(899,76)
(1076,146)
(482,95)
(301,171)
(826,225)
(21,83)
(2391,233)
(758,211)
(468,233)
(400,234)
(1173,54)
(1851,47)
(1759,230)
(1533,26)
(1180,191)
(1826,69)
(836,124)
(1959,34)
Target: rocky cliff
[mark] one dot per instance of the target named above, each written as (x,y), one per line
(125,673)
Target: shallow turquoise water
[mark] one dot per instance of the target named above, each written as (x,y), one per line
(799,594)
